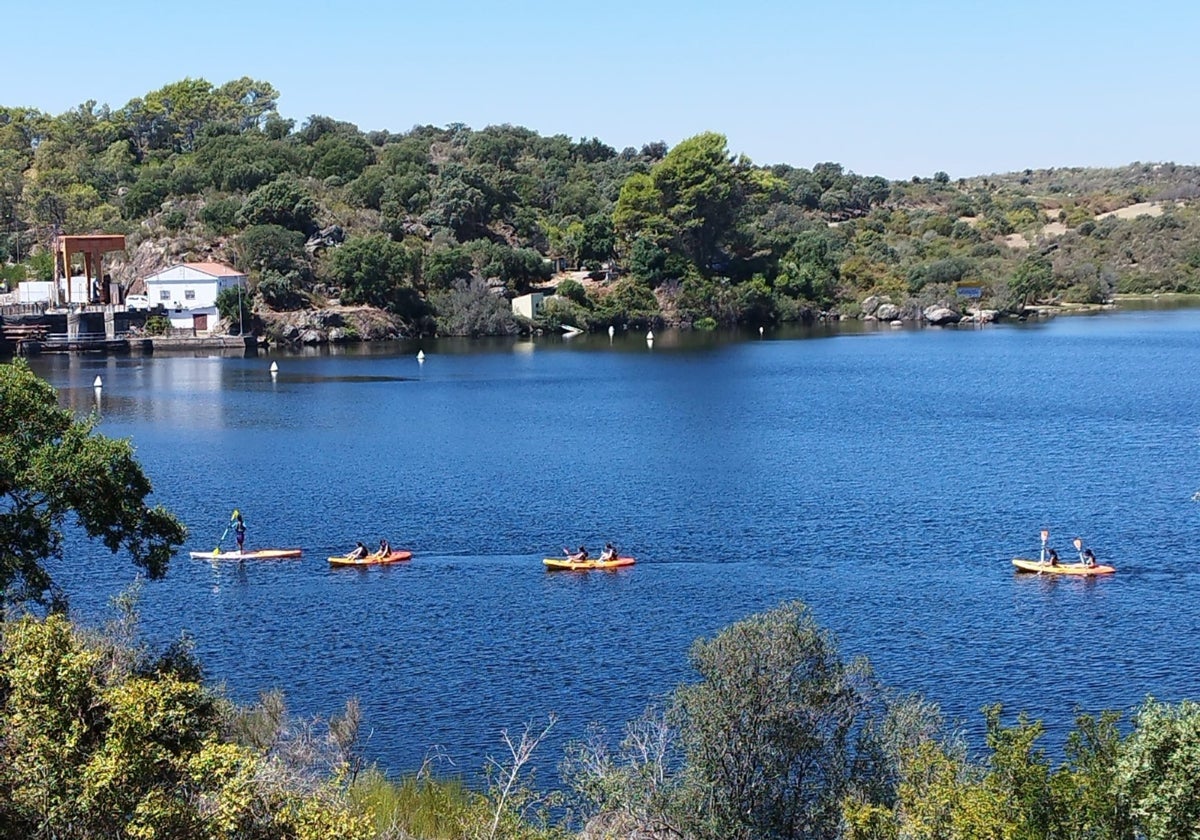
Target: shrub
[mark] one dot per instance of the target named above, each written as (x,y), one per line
(280,291)
(220,215)
(272,248)
(157,325)
(776,730)
(470,309)
(174,220)
(572,290)
(418,806)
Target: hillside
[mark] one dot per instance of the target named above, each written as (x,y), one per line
(438,226)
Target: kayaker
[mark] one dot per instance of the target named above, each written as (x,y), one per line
(578,557)
(385,548)
(239,529)
(609,553)
(1053,555)
(1089,558)
(360,552)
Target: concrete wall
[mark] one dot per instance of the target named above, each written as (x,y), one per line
(528,305)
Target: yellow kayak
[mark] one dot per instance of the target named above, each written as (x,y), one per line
(260,554)
(1077,569)
(556,563)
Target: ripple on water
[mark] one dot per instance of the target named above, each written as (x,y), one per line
(886,480)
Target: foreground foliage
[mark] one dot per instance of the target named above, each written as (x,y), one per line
(101,740)
(55,469)
(779,738)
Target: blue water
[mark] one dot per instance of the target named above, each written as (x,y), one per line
(885,478)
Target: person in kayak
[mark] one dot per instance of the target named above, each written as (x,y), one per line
(360,551)
(1053,557)
(1089,558)
(239,530)
(385,548)
(609,552)
(580,556)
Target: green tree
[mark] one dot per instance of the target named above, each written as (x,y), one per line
(377,271)
(284,202)
(628,303)
(777,731)
(1089,801)
(572,290)
(443,267)
(1032,279)
(272,248)
(52,466)
(1158,770)
(233,304)
(639,212)
(280,291)
(341,157)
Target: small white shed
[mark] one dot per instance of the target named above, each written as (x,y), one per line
(528,305)
(188,292)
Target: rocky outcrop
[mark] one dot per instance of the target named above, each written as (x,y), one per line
(887,312)
(331,325)
(325,238)
(940,316)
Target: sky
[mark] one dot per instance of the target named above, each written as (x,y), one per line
(884,88)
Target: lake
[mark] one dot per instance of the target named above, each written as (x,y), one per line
(884,477)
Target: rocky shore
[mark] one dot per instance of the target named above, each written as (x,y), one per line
(329,325)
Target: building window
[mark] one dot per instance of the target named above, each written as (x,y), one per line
(189,294)
(164,294)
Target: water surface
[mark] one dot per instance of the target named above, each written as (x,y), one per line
(885,477)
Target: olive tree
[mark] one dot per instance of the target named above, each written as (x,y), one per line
(779,729)
(1158,770)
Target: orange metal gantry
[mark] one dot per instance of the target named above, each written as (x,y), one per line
(93,247)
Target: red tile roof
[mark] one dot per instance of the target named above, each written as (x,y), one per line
(215,269)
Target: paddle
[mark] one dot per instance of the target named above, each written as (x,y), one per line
(1079,548)
(225,533)
(1045,536)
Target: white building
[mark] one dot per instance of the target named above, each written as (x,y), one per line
(528,305)
(41,291)
(188,293)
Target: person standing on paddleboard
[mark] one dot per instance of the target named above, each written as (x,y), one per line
(239,530)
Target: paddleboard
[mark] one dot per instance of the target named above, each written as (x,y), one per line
(260,554)
(371,559)
(1077,569)
(556,563)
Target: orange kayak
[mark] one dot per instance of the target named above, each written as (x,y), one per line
(371,559)
(1076,569)
(556,563)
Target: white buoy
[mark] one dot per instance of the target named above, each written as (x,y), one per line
(420,355)
(760,332)
(650,335)
(611,331)
(274,367)
(99,383)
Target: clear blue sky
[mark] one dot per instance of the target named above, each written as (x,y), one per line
(888,88)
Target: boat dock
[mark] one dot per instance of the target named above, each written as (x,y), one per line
(102,330)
